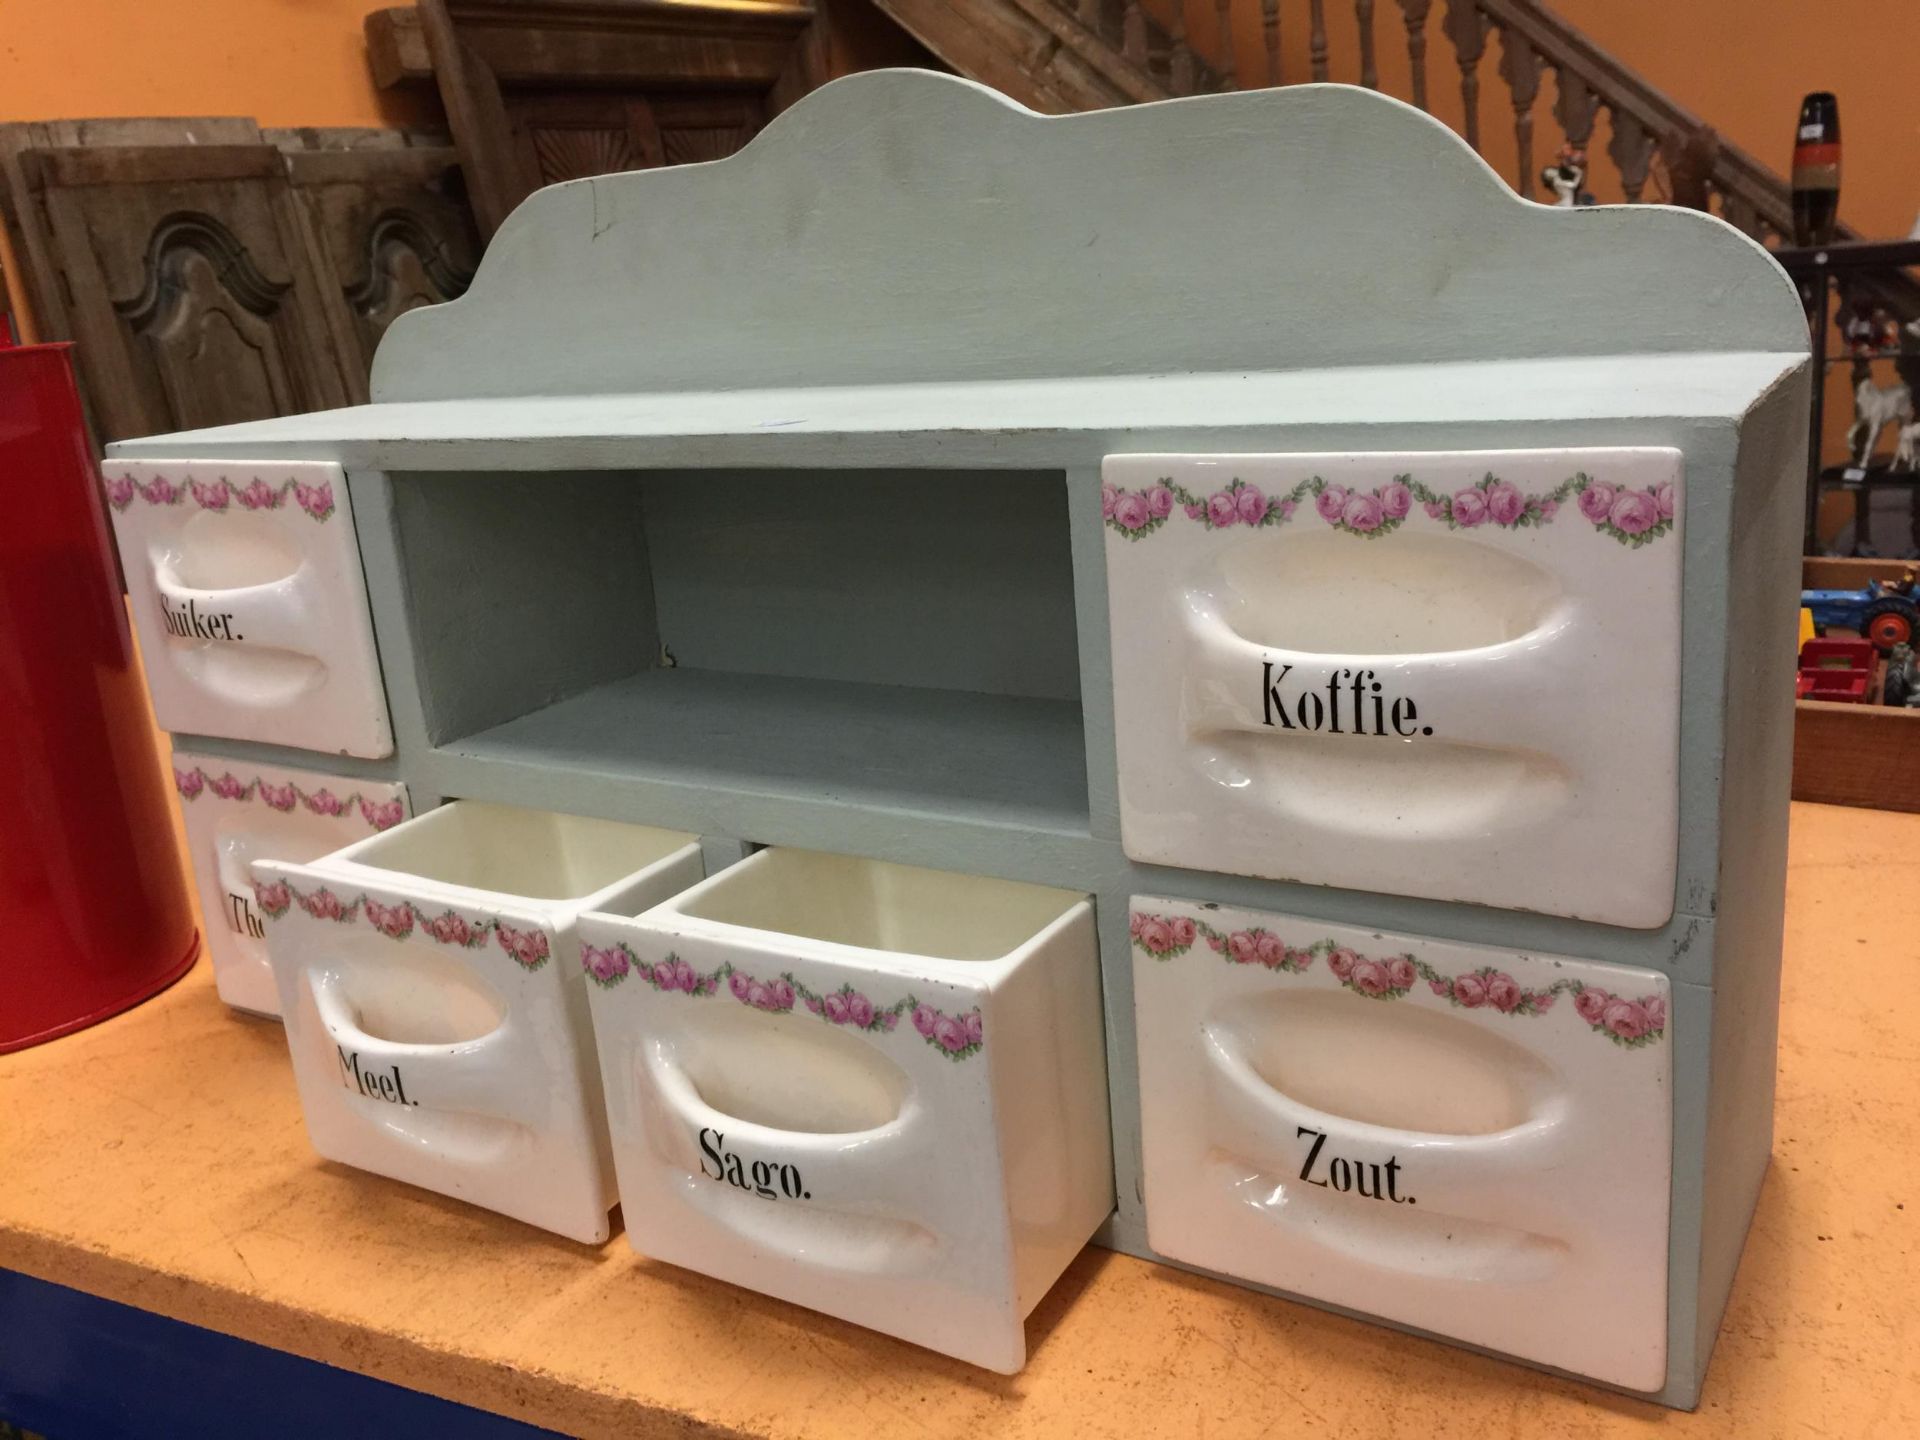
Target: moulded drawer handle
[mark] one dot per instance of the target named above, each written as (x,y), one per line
(1495,1177)
(484,1076)
(1514,692)
(867,1173)
(277,614)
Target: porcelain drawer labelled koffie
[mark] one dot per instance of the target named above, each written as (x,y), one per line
(873,1090)
(250,606)
(1466,1140)
(436,1015)
(1447,675)
(239,811)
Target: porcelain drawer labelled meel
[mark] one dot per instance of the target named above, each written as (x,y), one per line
(247,593)
(1446,675)
(872,1089)
(436,1014)
(239,811)
(1467,1140)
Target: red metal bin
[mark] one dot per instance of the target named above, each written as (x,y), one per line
(94,915)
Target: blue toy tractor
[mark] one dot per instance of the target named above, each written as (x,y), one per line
(1884,611)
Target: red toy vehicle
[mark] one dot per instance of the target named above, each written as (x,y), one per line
(1835,670)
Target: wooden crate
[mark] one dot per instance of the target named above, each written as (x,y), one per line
(1865,755)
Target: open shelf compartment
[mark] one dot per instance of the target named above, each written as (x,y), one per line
(1000,759)
(900,642)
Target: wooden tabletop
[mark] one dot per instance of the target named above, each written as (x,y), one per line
(159,1160)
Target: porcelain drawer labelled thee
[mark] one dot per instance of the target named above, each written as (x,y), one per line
(252,613)
(869,1089)
(237,812)
(1449,675)
(1466,1140)
(437,1019)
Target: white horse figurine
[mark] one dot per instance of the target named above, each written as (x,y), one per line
(1874,408)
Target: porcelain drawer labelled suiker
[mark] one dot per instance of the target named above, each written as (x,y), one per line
(251,610)
(869,1089)
(1466,1140)
(237,812)
(434,1008)
(1449,675)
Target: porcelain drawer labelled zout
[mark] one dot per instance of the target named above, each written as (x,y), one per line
(252,614)
(239,811)
(1449,675)
(1466,1140)
(873,1090)
(437,1019)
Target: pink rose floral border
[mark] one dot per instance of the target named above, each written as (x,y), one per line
(1629,1023)
(956,1036)
(1631,516)
(195,781)
(221,494)
(528,948)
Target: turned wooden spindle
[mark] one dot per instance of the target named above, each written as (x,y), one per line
(1466,26)
(1270,28)
(1180,67)
(1133,33)
(1520,68)
(1691,155)
(1089,12)
(1631,149)
(1415,14)
(1223,13)
(1574,106)
(1369,69)
(1317,38)
(1741,215)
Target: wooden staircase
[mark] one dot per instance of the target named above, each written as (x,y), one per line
(1064,55)
(1058,56)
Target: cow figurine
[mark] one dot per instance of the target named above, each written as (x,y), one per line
(1906,454)
(1566,177)
(1868,330)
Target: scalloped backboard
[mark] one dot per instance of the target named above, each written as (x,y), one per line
(903,226)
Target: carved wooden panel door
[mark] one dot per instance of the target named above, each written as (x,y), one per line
(568,137)
(390,230)
(538,92)
(191,288)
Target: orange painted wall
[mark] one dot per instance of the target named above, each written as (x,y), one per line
(1739,65)
(1742,66)
(284,62)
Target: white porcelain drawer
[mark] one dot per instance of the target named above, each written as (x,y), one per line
(873,1090)
(249,602)
(237,812)
(437,1021)
(1470,1141)
(1451,675)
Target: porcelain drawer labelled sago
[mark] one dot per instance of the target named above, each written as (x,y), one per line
(251,608)
(239,811)
(1466,1140)
(871,1089)
(437,1020)
(1425,674)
